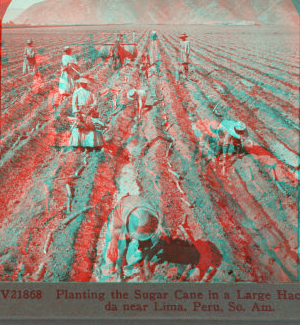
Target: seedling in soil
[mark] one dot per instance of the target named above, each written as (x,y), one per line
(209,274)
(69,194)
(40,272)
(79,171)
(48,242)
(195,275)
(71,218)
(47,198)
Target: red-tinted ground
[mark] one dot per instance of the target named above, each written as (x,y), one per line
(243,224)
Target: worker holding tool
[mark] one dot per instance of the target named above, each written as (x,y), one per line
(132,230)
(232,136)
(143,68)
(184,55)
(29,59)
(116,51)
(153,51)
(86,124)
(209,144)
(69,70)
(141,96)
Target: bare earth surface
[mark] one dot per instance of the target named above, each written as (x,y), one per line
(243,224)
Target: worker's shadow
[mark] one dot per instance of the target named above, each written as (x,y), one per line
(202,254)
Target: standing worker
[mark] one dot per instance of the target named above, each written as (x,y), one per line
(153,52)
(68,73)
(29,59)
(154,69)
(184,54)
(84,104)
(116,51)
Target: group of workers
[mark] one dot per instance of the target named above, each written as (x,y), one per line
(133,224)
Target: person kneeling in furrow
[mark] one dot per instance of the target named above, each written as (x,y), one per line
(132,230)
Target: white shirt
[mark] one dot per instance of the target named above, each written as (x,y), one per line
(184,50)
(68,59)
(83,100)
(154,51)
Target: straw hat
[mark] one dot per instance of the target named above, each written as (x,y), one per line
(183,36)
(84,80)
(142,224)
(131,93)
(237,129)
(153,34)
(67,48)
(215,127)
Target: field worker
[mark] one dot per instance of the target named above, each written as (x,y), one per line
(4,61)
(144,68)
(154,54)
(141,96)
(184,53)
(85,128)
(232,135)
(116,51)
(29,59)
(154,68)
(131,226)
(207,133)
(69,63)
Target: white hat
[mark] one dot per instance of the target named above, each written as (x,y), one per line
(153,34)
(67,48)
(142,224)
(237,129)
(29,41)
(130,93)
(84,80)
(184,35)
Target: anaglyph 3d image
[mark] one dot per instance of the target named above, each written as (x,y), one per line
(149,141)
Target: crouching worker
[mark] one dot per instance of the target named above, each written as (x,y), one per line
(209,142)
(233,136)
(86,124)
(141,96)
(132,230)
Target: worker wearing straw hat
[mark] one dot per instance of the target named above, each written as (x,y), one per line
(116,56)
(68,72)
(154,54)
(132,223)
(141,96)
(207,133)
(233,135)
(154,68)
(85,126)
(29,59)
(184,54)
